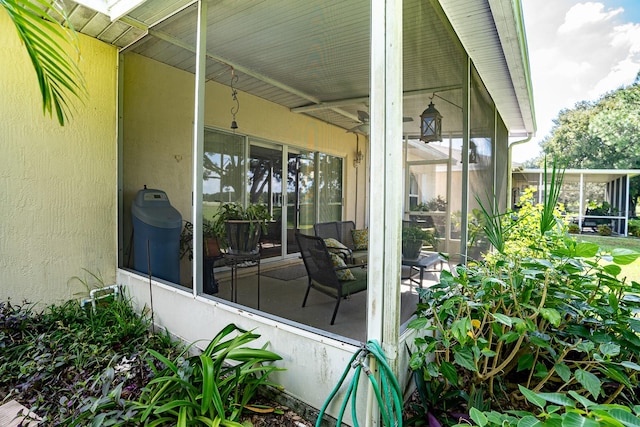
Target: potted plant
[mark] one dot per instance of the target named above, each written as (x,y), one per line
(243,226)
(212,233)
(413,237)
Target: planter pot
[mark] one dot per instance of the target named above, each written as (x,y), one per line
(211,248)
(243,237)
(411,249)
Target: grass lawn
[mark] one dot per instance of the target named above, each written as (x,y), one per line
(608,243)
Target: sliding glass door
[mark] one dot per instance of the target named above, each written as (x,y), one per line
(245,170)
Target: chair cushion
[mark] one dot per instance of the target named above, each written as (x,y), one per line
(335,247)
(344,273)
(360,239)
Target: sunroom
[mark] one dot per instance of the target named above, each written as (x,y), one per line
(326,100)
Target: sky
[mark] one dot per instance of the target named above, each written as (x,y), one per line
(578,51)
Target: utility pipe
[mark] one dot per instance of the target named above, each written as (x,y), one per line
(509,161)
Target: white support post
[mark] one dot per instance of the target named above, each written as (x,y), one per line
(582,211)
(385,203)
(627,214)
(198,145)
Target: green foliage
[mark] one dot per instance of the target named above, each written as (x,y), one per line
(258,214)
(437,204)
(604,230)
(45,39)
(51,361)
(604,134)
(573,228)
(211,388)
(546,313)
(559,409)
(634,227)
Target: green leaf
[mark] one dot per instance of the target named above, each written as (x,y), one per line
(613,301)
(532,397)
(450,372)
(572,419)
(558,398)
(624,256)
(612,269)
(208,383)
(586,250)
(551,315)
(583,400)
(505,320)
(525,362)
(478,417)
(563,371)
(529,421)
(626,418)
(630,365)
(609,349)
(589,381)
(464,358)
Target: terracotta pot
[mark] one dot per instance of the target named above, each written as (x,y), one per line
(211,248)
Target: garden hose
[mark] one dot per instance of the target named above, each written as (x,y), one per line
(387,393)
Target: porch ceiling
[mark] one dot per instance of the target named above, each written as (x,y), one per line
(313,56)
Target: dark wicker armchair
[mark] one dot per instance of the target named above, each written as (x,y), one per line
(322,274)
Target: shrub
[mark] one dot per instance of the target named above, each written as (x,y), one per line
(604,230)
(573,228)
(547,315)
(634,227)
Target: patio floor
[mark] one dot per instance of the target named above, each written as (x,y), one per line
(283,298)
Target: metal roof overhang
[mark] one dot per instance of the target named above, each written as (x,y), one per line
(601,176)
(313,56)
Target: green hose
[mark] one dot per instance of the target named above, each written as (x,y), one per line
(387,393)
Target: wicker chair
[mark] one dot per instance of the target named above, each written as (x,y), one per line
(322,274)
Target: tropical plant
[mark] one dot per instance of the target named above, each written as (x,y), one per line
(559,409)
(256,214)
(40,28)
(552,316)
(415,233)
(211,388)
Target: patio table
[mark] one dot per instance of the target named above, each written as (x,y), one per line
(425,261)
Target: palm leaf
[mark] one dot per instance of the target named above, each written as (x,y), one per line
(46,39)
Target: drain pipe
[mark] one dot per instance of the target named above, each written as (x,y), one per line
(509,161)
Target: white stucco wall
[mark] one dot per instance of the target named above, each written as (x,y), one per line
(313,363)
(57,184)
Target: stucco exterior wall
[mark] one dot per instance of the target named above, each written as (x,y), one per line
(57,184)
(158,134)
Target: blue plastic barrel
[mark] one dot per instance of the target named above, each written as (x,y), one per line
(156,235)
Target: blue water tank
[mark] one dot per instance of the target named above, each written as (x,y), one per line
(156,235)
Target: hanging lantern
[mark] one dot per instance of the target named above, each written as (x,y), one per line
(431,124)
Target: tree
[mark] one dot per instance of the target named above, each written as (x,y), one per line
(45,38)
(604,134)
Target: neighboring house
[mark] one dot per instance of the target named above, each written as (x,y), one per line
(160,97)
(590,196)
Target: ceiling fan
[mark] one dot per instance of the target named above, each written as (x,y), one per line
(363,127)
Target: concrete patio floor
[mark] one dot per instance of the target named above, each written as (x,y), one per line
(283,298)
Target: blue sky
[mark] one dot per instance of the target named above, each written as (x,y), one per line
(578,50)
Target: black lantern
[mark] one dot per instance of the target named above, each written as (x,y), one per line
(431,124)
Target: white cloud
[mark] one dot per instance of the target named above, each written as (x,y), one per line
(583,14)
(577,51)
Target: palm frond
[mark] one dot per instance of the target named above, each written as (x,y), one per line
(40,26)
